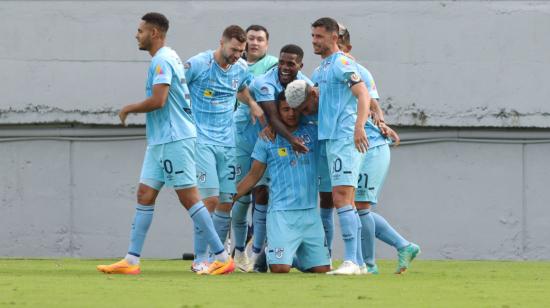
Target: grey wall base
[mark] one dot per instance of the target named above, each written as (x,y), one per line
(464,199)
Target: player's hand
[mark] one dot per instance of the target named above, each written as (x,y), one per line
(389,132)
(298,145)
(122,115)
(268,133)
(257,113)
(360,139)
(376,119)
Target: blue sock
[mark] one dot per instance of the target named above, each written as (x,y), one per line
(367,236)
(386,233)
(222,223)
(202,220)
(142,221)
(200,245)
(240,225)
(328,224)
(260,212)
(359,255)
(348,227)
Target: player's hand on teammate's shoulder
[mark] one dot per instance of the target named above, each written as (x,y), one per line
(268,133)
(389,132)
(298,145)
(360,139)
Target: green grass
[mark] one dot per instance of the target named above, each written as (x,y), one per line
(76,283)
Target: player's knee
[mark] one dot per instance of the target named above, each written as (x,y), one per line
(319,269)
(362,205)
(188,196)
(279,268)
(261,194)
(146,195)
(211,203)
(342,196)
(326,200)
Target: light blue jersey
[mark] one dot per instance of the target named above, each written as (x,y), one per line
(374,134)
(213,95)
(337,104)
(173,121)
(264,88)
(293,183)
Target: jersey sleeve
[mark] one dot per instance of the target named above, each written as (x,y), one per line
(162,72)
(260,151)
(371,85)
(346,70)
(264,92)
(192,68)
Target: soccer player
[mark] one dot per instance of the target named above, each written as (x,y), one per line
(371,179)
(170,155)
(265,89)
(293,224)
(215,78)
(343,111)
(259,62)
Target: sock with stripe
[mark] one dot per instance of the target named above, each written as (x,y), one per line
(348,228)
(367,236)
(260,213)
(240,225)
(386,233)
(359,255)
(202,220)
(140,226)
(328,224)
(222,223)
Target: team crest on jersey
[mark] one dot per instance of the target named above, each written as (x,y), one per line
(208,93)
(279,252)
(355,78)
(201,176)
(264,90)
(305,138)
(282,152)
(235,83)
(293,163)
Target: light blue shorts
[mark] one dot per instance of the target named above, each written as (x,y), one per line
(296,232)
(322,168)
(170,163)
(373,174)
(344,161)
(216,170)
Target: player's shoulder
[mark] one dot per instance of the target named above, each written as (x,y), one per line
(241,65)
(342,60)
(203,58)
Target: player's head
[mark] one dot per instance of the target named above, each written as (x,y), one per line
(232,43)
(302,97)
(153,27)
(344,39)
(257,39)
(290,63)
(289,116)
(324,35)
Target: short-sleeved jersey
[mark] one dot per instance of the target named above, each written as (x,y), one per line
(213,94)
(173,121)
(337,104)
(293,179)
(264,88)
(374,134)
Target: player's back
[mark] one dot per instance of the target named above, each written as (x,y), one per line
(173,121)
(293,178)
(213,94)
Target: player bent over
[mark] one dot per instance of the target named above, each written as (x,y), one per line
(170,155)
(293,223)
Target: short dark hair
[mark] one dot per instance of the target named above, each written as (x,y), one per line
(157,20)
(293,49)
(328,23)
(281,96)
(258,28)
(234,32)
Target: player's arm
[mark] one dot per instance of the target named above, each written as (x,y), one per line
(155,101)
(270,108)
(252,177)
(359,90)
(256,112)
(377,113)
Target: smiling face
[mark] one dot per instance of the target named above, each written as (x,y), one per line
(322,41)
(289,66)
(232,50)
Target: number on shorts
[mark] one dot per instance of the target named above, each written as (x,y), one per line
(337,165)
(232,173)
(361,176)
(168,166)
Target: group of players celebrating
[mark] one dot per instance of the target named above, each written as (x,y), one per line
(292,144)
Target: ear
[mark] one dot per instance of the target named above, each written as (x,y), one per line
(349,48)
(301,65)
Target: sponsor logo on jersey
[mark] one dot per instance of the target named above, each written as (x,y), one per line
(208,93)
(282,152)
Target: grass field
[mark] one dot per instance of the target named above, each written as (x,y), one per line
(75,283)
